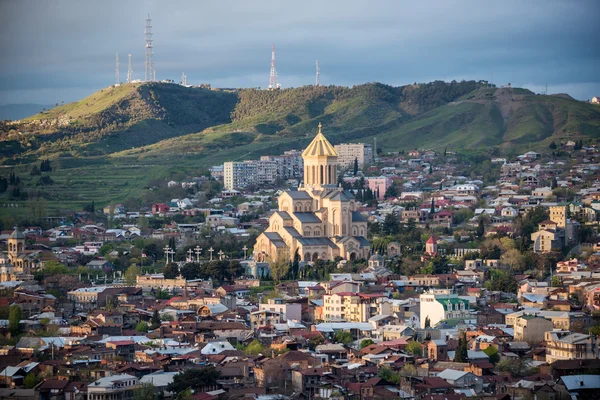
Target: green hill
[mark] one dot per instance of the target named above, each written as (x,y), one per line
(144,121)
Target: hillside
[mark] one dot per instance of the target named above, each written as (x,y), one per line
(150,121)
(117,118)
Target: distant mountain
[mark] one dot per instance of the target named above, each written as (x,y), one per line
(154,120)
(18,111)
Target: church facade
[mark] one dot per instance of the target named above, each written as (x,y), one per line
(318,220)
(17,263)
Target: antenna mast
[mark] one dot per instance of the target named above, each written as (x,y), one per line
(149,72)
(317,81)
(273,78)
(117,70)
(129,70)
(183,79)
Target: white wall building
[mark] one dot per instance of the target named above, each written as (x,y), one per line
(440,305)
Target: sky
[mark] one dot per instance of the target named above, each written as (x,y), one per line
(63,50)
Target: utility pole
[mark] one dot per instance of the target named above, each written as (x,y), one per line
(317,81)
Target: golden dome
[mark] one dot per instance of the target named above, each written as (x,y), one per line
(320,147)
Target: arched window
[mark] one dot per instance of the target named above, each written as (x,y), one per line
(354,231)
(362,231)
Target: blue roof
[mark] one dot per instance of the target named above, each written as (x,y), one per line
(299,195)
(316,241)
(307,217)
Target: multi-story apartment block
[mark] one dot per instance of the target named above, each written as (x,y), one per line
(566,345)
(354,307)
(438,305)
(239,175)
(289,165)
(348,152)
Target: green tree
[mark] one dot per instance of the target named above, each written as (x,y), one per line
(30,381)
(355,167)
(480,228)
(343,337)
(194,379)
(556,281)
(501,280)
(427,322)
(14,320)
(415,348)
(141,327)
(462,354)
(144,391)
(552,145)
(131,274)
(365,343)
(155,321)
(386,373)
(280,267)
(492,353)
(254,348)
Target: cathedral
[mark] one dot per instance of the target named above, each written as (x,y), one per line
(317,221)
(18,264)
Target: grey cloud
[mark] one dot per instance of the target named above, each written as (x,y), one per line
(60,50)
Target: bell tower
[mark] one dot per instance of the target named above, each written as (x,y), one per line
(320,163)
(16,245)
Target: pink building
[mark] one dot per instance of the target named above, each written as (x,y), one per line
(379,185)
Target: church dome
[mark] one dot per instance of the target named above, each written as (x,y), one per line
(320,147)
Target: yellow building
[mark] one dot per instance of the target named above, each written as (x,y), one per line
(319,220)
(19,263)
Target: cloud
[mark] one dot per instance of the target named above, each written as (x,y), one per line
(58,49)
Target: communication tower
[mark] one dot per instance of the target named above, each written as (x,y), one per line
(149,72)
(273,78)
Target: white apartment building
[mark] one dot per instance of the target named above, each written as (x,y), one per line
(348,152)
(439,305)
(239,175)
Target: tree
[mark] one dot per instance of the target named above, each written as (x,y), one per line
(194,379)
(155,321)
(35,171)
(280,267)
(552,145)
(254,348)
(556,281)
(414,348)
(492,353)
(14,320)
(427,322)
(30,381)
(343,337)
(462,354)
(141,327)
(144,391)
(392,191)
(514,259)
(131,275)
(355,167)
(501,280)
(480,228)
(365,343)
(553,183)
(391,224)
(432,209)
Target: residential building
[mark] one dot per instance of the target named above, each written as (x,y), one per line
(379,186)
(354,307)
(115,387)
(348,152)
(566,345)
(531,329)
(440,305)
(288,311)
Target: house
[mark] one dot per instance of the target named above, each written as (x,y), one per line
(440,305)
(596,100)
(531,329)
(113,387)
(216,347)
(462,379)
(160,208)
